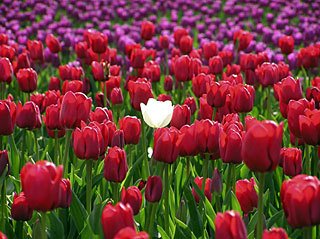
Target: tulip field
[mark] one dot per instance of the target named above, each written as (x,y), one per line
(159,119)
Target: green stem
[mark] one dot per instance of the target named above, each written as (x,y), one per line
(268,99)
(57,148)
(205,170)
(230,177)
(65,160)
(115,192)
(89,185)
(43,225)
(307,160)
(260,206)
(150,222)
(166,198)
(315,160)
(36,145)
(145,163)
(3,204)
(19,229)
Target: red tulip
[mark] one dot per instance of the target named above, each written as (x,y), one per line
(133,197)
(115,218)
(36,50)
(185,45)
(131,127)
(147,30)
(200,82)
(230,225)
(7,117)
(242,98)
(72,86)
(233,79)
(28,116)
(38,100)
(275,233)
(310,126)
(308,57)
(266,136)
(100,114)
(246,195)
(27,79)
(291,161)
(20,209)
(65,72)
(205,110)
(3,39)
(313,93)
(233,69)
(242,38)
(181,116)
(54,83)
(286,44)
(81,49)
(187,143)
(217,93)
(227,57)
(42,175)
(137,58)
(288,89)
(2,236)
(23,61)
(65,194)
(216,65)
(8,52)
(115,70)
(140,91)
(268,74)
(53,43)
(74,108)
(207,136)
(98,71)
(153,190)
(168,83)
(51,97)
(164,97)
(115,165)
(178,34)
(190,101)
(118,139)
(210,49)
(98,42)
(165,145)
(129,233)
(88,142)
(164,42)
(151,71)
(207,188)
(116,96)
(216,181)
(52,118)
(4,162)
(300,200)
(6,70)
(185,68)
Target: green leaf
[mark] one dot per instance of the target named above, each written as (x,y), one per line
(183,231)
(253,222)
(56,229)
(162,232)
(94,218)
(276,217)
(78,212)
(235,203)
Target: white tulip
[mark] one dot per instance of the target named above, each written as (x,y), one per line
(157,114)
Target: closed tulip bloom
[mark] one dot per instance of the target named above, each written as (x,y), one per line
(199,84)
(186,44)
(266,136)
(246,195)
(51,97)
(100,114)
(187,143)
(74,108)
(153,191)
(181,116)
(28,116)
(164,97)
(291,161)
(42,175)
(190,101)
(242,38)
(128,232)
(157,114)
(115,165)
(140,91)
(216,181)
(230,225)
(286,44)
(8,52)
(65,72)
(165,147)
(53,43)
(81,49)
(116,96)
(217,93)
(72,86)
(131,127)
(65,194)
(205,110)
(115,218)
(52,118)
(185,68)
(275,233)
(7,117)
(216,65)
(3,39)
(207,188)
(98,71)
(268,74)
(6,70)
(243,98)
(168,83)
(4,162)
(98,42)
(27,79)
(36,50)
(54,83)
(178,34)
(137,58)
(118,139)
(133,197)
(20,209)
(210,49)
(147,30)
(164,42)
(308,57)
(38,98)
(288,89)
(310,126)
(300,200)
(23,61)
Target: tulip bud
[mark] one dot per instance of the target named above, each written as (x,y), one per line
(168,83)
(205,110)
(4,162)
(118,139)
(190,101)
(164,42)
(309,126)
(216,65)
(210,49)
(65,72)
(53,43)
(6,70)
(230,225)
(54,83)
(216,182)
(137,58)
(181,116)
(72,86)
(27,79)
(116,96)
(286,44)
(164,97)
(99,115)
(115,165)
(140,92)
(185,45)
(178,34)
(8,117)
(131,127)
(133,197)
(28,116)
(207,190)
(246,194)
(98,42)
(147,30)
(275,233)
(81,49)
(36,50)
(243,98)
(20,209)
(200,82)
(65,194)
(153,190)
(115,218)
(242,38)
(268,74)
(291,161)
